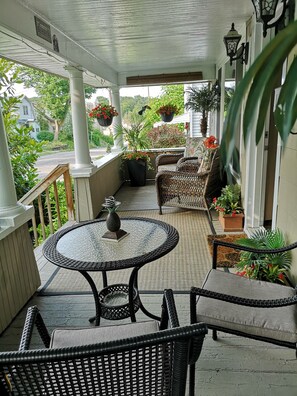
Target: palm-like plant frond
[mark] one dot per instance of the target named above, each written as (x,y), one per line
(257,88)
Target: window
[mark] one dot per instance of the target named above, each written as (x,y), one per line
(25,110)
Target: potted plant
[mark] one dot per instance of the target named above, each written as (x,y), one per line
(203,100)
(228,205)
(136,159)
(255,91)
(262,266)
(104,114)
(167,112)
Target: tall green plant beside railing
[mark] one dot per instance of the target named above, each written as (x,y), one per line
(62,208)
(53,202)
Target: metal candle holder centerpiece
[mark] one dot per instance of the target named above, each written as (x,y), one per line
(113,221)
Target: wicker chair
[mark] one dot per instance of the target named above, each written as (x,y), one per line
(101,361)
(188,188)
(178,161)
(246,307)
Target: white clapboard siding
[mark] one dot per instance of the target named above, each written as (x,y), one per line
(19,276)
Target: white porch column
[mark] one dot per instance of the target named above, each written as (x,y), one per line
(79,122)
(8,199)
(117,121)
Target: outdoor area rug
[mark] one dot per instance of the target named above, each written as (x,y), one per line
(227,257)
(185,266)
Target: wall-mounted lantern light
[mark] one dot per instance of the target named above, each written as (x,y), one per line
(231,41)
(265,12)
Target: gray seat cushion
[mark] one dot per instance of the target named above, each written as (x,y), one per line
(167,167)
(67,337)
(276,323)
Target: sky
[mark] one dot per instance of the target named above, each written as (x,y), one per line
(131,91)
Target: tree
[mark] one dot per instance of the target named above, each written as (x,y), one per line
(203,100)
(53,93)
(24,151)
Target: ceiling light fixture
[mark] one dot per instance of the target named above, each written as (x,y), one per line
(231,41)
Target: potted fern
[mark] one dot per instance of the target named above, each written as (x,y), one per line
(264,266)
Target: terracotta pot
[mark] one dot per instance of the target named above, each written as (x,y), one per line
(104,121)
(167,117)
(231,223)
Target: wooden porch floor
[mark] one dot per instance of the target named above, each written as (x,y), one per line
(231,366)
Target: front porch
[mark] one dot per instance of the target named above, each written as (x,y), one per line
(229,366)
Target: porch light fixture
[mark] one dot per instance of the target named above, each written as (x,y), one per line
(265,12)
(231,41)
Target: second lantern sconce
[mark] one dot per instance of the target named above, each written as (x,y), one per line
(231,41)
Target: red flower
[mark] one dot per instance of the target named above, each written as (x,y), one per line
(281,276)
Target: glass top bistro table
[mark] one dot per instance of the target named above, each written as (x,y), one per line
(81,248)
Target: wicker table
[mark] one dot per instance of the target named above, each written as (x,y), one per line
(81,248)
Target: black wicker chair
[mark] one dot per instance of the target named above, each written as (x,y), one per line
(149,361)
(246,307)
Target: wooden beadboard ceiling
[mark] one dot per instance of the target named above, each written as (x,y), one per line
(132,37)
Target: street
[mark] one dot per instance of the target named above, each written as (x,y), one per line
(48,162)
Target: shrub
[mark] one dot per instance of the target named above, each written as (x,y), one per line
(100,140)
(45,136)
(166,136)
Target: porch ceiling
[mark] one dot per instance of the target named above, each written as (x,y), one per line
(113,39)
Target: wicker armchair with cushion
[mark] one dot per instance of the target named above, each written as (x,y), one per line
(173,161)
(190,189)
(246,307)
(143,358)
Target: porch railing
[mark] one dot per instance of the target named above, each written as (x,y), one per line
(48,205)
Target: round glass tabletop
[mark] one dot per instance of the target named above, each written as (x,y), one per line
(81,247)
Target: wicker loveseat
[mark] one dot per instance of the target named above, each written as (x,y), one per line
(190,188)
(143,358)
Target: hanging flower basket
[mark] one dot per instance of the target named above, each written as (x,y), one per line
(104,114)
(167,117)
(167,112)
(105,122)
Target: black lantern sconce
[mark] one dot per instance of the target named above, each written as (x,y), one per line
(231,41)
(265,12)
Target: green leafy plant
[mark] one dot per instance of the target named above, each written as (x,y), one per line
(255,91)
(203,100)
(229,202)
(54,208)
(267,267)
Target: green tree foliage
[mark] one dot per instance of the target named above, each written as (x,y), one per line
(53,93)
(24,151)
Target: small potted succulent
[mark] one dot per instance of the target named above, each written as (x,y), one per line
(228,205)
(167,112)
(104,114)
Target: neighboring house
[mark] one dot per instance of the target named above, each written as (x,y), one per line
(28,116)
